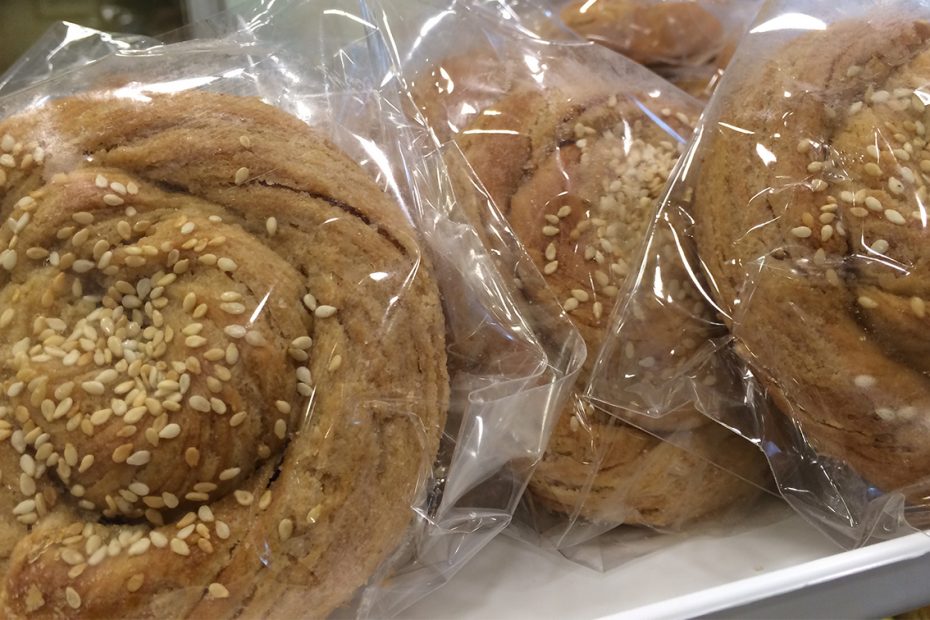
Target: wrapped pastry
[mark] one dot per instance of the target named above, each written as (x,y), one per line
(187,308)
(801,221)
(575,158)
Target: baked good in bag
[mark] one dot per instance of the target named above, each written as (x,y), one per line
(215,402)
(814,230)
(649,32)
(576,170)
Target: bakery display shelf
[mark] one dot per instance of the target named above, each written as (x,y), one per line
(779,570)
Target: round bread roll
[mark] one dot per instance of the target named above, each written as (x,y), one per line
(819,249)
(649,32)
(577,170)
(212,407)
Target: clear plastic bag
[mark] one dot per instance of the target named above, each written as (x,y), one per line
(283,378)
(688,42)
(794,236)
(573,144)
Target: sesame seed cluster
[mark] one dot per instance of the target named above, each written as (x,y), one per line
(160,355)
(811,221)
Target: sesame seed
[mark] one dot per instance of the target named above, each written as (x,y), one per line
(188,228)
(170,431)
(298,355)
(237,419)
(818,185)
(864,381)
(226,264)
(134,583)
(334,364)
(285,529)
(867,302)
(8,259)
(280,429)
(233,308)
(217,590)
(137,459)
(895,186)
(323,312)
(303,374)
(139,547)
(244,498)
(234,331)
(880,246)
(70,556)
(271,225)
(101,181)
(83,218)
(205,514)
(885,413)
(550,231)
(894,217)
(550,252)
(73,598)
(25,507)
(199,403)
(282,406)
(918,307)
(222,530)
(826,233)
(309,301)
(229,474)
(873,169)
(302,342)
(112,200)
(242,175)
(93,387)
(873,204)
(551,267)
(194,342)
(801,232)
(180,547)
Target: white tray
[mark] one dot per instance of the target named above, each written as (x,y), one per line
(781,570)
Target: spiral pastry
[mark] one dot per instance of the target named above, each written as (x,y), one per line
(814,232)
(576,167)
(221,359)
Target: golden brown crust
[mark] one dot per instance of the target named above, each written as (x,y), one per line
(651,33)
(577,168)
(834,319)
(242,433)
